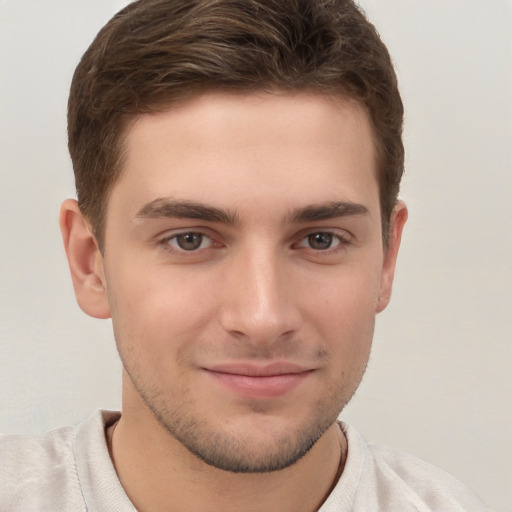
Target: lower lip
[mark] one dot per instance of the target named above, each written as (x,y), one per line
(263,387)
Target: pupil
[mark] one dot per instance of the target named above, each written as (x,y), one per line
(320,241)
(189,241)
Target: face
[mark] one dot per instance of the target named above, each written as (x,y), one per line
(243,266)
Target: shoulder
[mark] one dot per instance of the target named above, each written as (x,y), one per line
(382,478)
(23,451)
(39,471)
(420,481)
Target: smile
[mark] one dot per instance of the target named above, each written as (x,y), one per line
(259,382)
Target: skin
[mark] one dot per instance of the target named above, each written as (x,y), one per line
(243,268)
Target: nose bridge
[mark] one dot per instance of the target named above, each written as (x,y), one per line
(258,303)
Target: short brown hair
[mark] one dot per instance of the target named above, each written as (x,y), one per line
(154,53)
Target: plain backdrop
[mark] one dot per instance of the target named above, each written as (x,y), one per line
(439,383)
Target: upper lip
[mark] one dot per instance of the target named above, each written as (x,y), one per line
(259,370)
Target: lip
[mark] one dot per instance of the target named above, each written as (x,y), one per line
(259,381)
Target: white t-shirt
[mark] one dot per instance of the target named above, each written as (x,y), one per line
(70,470)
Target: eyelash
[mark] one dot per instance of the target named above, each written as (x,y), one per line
(168,245)
(342,242)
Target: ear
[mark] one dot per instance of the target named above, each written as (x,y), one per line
(396,226)
(85,261)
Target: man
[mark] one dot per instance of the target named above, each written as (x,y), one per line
(237,168)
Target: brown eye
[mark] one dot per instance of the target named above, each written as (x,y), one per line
(188,241)
(321,241)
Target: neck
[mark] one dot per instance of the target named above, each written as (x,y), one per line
(159,474)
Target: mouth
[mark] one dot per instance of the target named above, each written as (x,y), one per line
(259,381)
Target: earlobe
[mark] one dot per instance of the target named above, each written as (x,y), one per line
(85,261)
(396,226)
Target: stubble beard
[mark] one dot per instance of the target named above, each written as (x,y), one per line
(243,453)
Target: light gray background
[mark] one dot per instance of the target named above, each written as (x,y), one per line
(439,383)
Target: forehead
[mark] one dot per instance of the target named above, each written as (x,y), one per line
(226,148)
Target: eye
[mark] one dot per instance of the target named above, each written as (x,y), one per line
(322,241)
(189,241)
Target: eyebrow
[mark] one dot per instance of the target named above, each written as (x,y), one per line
(163,207)
(327,211)
(169,208)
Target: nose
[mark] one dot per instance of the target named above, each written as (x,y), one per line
(259,300)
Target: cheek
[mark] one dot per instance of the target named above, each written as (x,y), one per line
(343,310)
(160,295)
(158,316)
